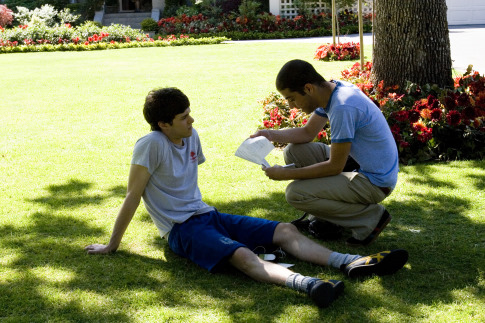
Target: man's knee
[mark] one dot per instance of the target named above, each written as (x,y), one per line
(306,153)
(285,232)
(288,154)
(244,259)
(290,193)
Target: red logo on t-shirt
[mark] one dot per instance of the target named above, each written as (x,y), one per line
(193,156)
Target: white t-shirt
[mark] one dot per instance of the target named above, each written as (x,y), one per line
(172,194)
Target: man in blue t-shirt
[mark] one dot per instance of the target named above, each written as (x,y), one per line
(164,172)
(322,188)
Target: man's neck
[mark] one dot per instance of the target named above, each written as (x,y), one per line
(325,92)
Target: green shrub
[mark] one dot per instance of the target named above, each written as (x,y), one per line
(149,24)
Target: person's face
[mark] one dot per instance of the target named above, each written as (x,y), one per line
(180,128)
(304,102)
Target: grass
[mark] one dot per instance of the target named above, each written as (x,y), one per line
(68,126)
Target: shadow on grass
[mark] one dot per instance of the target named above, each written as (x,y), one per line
(73,194)
(446,256)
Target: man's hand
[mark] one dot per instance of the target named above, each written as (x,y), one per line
(99,249)
(263,133)
(277,172)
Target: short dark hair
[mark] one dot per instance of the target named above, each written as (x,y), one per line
(295,74)
(163,105)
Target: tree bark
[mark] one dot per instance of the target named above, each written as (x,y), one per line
(412,43)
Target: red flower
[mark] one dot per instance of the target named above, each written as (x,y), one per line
(425,135)
(395,129)
(419,126)
(453,118)
(414,115)
(436,115)
(421,104)
(469,113)
(401,116)
(268,124)
(463,100)
(322,134)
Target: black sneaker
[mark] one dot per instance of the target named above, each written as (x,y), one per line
(324,230)
(380,264)
(324,292)
(320,229)
(301,223)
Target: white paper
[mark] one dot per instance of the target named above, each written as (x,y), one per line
(255,150)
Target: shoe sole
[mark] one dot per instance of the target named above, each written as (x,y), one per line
(375,234)
(323,294)
(387,266)
(378,232)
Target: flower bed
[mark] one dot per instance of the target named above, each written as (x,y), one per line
(338,52)
(264,25)
(427,122)
(89,36)
(278,115)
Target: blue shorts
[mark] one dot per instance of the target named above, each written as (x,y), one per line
(211,238)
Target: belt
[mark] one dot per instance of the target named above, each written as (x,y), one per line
(385,190)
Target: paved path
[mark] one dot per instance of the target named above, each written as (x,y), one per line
(467,45)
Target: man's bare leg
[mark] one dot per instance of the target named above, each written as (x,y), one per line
(292,241)
(264,271)
(323,293)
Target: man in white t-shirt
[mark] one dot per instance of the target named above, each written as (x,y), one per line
(164,171)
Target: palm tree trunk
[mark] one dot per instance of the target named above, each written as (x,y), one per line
(411,43)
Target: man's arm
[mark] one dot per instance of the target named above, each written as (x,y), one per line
(295,135)
(137,182)
(339,153)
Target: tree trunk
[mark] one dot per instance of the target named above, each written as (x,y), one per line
(411,43)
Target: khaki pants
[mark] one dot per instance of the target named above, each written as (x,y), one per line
(348,199)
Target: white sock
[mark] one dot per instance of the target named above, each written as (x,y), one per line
(338,259)
(299,282)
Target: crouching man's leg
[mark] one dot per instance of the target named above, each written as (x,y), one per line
(322,292)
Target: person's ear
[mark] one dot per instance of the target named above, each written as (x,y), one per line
(308,88)
(163,125)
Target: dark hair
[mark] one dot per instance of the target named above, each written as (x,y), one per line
(295,74)
(163,105)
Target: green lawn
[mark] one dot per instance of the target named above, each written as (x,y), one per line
(68,126)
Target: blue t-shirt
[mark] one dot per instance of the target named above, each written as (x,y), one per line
(172,194)
(356,119)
